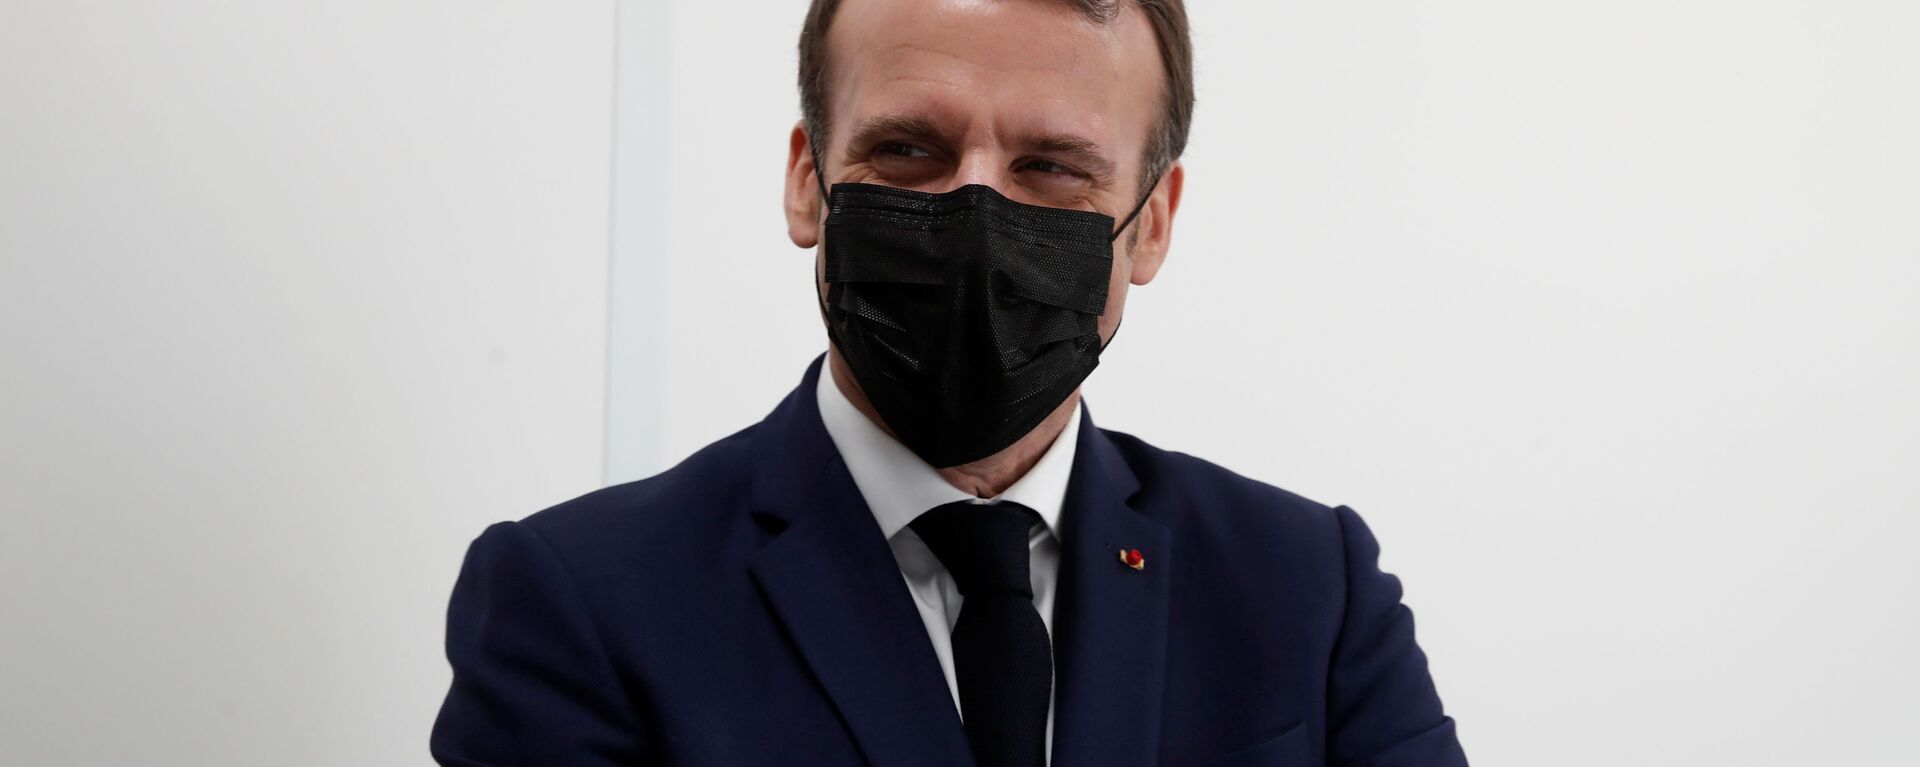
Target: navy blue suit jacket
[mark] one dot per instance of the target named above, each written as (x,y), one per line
(742,608)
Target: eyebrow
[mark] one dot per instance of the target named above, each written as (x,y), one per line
(880,127)
(1079,151)
(1082,152)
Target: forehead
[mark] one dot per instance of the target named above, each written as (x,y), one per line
(989,67)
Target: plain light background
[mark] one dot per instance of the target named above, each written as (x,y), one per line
(295,299)
(1606,316)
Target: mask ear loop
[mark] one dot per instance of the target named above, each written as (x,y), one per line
(818,170)
(1137,207)
(820,179)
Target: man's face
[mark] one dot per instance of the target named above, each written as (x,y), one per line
(1029,97)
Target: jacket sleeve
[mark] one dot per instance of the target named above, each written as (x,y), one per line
(1383,710)
(532,682)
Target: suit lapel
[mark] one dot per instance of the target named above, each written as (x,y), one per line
(831,580)
(1110,621)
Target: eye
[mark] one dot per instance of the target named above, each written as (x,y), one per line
(898,149)
(1056,183)
(1050,167)
(904,164)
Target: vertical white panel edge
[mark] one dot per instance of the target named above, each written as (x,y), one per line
(636,331)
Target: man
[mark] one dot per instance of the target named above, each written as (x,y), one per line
(927,554)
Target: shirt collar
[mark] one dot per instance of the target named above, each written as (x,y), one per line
(899,487)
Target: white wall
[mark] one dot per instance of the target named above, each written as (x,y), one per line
(1605,315)
(295,298)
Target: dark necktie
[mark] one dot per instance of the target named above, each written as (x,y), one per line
(1002,658)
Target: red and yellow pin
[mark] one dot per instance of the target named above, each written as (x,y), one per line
(1133,558)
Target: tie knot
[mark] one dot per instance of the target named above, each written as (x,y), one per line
(984,546)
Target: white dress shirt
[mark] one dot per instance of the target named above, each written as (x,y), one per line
(899,487)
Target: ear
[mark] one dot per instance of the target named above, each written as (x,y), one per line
(803,201)
(1156,226)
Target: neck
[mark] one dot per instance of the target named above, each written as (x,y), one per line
(984,478)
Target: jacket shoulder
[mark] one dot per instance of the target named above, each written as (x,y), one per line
(669,511)
(1213,496)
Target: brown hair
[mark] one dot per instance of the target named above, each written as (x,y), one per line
(1169,19)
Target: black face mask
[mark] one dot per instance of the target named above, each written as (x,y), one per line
(965,317)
